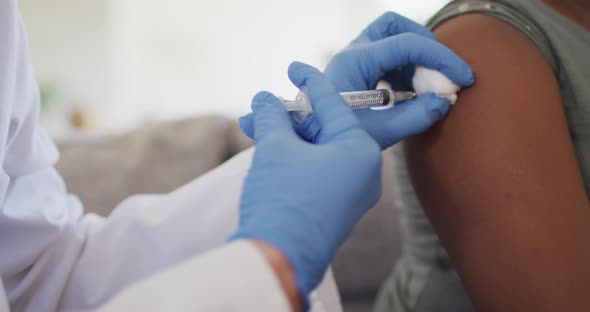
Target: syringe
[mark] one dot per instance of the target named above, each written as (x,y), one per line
(374,99)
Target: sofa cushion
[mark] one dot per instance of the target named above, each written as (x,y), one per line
(155,159)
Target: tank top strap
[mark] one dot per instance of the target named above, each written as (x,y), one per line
(505,12)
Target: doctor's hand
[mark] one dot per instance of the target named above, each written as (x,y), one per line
(304,198)
(389,49)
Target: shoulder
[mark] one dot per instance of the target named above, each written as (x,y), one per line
(499,126)
(514,81)
(494,47)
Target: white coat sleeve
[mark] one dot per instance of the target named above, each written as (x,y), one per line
(52,256)
(3,302)
(231,278)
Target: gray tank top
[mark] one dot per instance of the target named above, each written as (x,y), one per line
(566,46)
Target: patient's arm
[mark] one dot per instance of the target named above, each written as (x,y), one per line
(499,178)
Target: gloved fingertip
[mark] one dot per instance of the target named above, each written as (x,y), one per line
(262,100)
(247,125)
(309,128)
(243,122)
(471,78)
(299,72)
(438,107)
(468,78)
(460,73)
(463,80)
(296,64)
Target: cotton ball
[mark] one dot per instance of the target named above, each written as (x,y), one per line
(431,81)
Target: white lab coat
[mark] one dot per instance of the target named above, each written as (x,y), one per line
(152,253)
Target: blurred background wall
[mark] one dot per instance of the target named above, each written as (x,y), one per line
(110,65)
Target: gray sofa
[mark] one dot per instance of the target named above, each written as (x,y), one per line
(158,159)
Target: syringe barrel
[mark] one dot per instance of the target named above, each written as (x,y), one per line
(368,99)
(374,99)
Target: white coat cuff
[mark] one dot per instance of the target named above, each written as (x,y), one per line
(234,277)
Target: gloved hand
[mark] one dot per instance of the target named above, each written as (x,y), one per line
(302,198)
(389,49)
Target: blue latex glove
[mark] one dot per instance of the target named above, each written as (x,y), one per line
(305,198)
(388,50)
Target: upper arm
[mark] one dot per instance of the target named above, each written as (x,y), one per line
(499,177)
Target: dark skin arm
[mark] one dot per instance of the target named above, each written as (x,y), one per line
(499,178)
